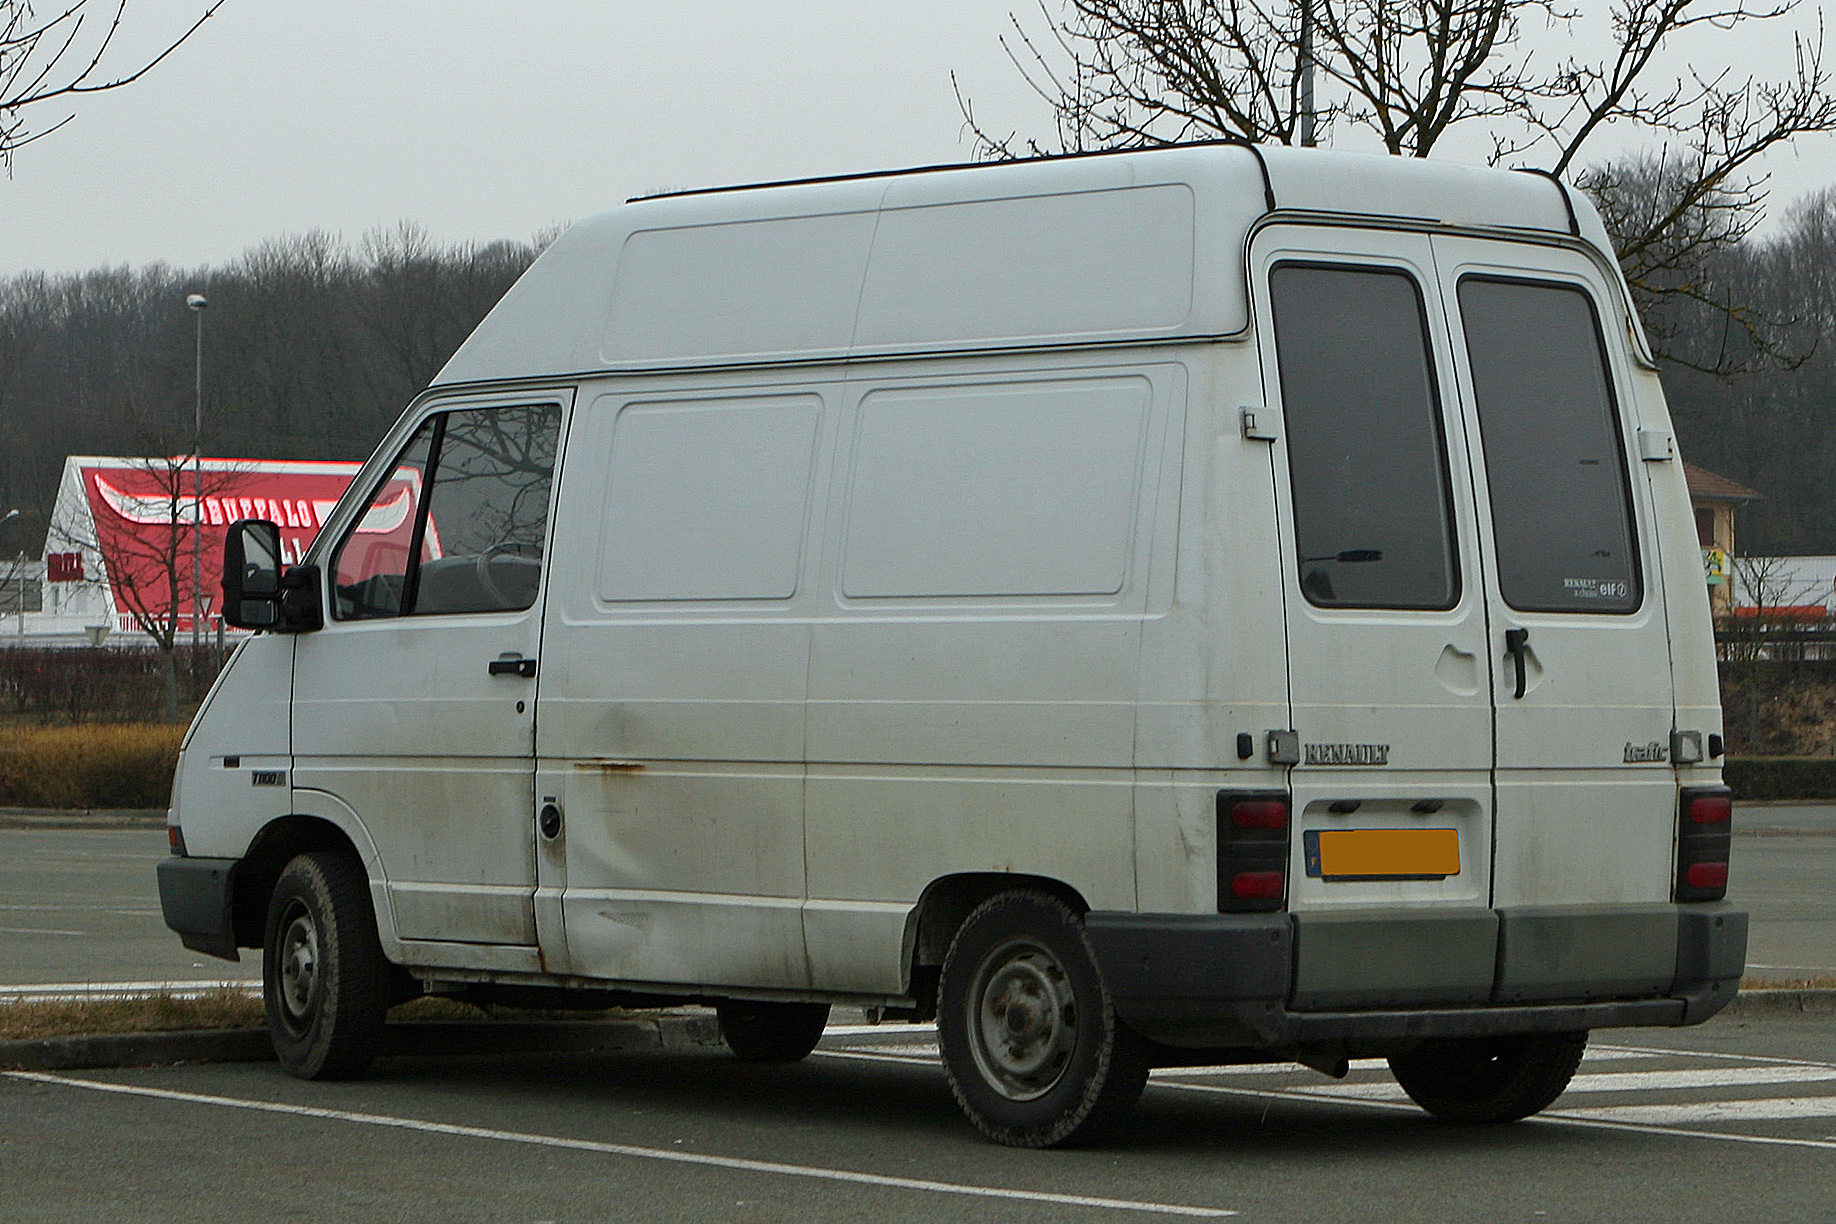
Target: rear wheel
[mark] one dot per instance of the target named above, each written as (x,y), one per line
(325,982)
(771,1032)
(1489,1079)
(1031,1044)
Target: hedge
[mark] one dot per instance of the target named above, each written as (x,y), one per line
(43,685)
(1796,777)
(124,765)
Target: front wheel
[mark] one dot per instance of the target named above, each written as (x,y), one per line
(1489,1079)
(325,983)
(1031,1044)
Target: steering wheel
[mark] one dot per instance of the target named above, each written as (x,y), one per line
(500,549)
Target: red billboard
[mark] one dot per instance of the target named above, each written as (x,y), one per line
(143,511)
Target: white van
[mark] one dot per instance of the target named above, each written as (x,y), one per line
(1213,604)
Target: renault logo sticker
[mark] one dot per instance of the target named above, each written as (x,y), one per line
(1347,754)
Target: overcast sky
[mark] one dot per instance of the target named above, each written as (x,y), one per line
(486,120)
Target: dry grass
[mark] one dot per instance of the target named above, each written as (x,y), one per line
(31,1019)
(121,765)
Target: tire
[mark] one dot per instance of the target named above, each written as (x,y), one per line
(325,982)
(1032,1047)
(1489,1079)
(771,1032)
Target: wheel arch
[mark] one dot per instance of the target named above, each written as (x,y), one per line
(268,855)
(948,900)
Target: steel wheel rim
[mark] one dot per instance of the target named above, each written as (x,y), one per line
(297,976)
(1022,1020)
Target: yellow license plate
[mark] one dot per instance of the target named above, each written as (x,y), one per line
(1382,854)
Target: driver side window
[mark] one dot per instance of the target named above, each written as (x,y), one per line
(459,523)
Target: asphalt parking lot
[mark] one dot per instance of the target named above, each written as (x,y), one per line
(1738,1115)
(1661,1125)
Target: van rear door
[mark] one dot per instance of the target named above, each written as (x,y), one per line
(1390,688)
(1579,646)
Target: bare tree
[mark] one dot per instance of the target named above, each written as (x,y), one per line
(21,327)
(1140,73)
(148,563)
(50,59)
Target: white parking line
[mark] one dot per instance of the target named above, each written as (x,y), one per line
(890,1029)
(1598,1118)
(1666,1052)
(1759,1109)
(1703,1077)
(1583,1118)
(1621,1081)
(1279,1068)
(37,931)
(910,1060)
(740,1164)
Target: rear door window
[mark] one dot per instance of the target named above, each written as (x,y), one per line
(1555,460)
(1367,458)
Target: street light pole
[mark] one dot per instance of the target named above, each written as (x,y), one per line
(197,303)
(13,579)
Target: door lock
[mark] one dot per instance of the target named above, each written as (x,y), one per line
(549,820)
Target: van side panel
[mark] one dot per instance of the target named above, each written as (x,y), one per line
(671,721)
(973,667)
(1213,662)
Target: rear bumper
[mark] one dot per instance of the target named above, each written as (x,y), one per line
(194,897)
(1361,980)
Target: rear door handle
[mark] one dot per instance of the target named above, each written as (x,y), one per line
(1515,641)
(513,667)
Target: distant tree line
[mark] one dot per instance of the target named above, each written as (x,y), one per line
(311,348)
(1771,424)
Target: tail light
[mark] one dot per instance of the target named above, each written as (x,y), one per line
(1705,820)
(1252,851)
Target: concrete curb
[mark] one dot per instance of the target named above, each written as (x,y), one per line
(416,1039)
(82,818)
(667,1034)
(1750,1003)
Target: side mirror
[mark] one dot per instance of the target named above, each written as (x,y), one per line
(252,575)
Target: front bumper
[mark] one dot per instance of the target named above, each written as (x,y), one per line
(1358,981)
(195,896)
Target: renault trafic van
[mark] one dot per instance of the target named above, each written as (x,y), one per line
(1213,604)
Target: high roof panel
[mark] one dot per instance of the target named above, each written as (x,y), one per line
(1135,246)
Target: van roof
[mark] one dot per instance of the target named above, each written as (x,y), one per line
(1052,251)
